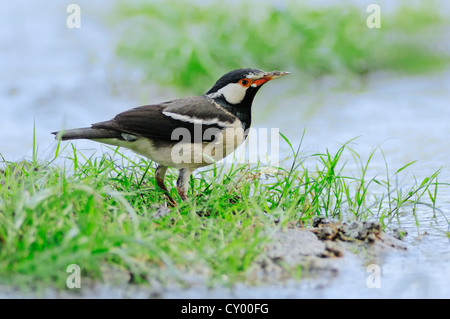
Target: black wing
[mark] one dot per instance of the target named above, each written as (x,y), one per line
(170,121)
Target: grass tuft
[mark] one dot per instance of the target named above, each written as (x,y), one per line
(105,214)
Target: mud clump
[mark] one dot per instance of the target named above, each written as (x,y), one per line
(323,249)
(356,231)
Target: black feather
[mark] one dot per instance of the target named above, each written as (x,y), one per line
(149,121)
(86,133)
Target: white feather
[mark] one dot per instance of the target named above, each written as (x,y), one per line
(195,120)
(234,93)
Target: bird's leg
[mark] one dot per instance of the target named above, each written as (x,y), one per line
(160,174)
(183,182)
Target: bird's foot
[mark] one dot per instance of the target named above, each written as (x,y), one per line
(170,200)
(182,193)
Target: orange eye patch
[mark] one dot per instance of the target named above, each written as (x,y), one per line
(245,82)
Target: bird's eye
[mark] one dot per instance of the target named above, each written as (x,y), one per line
(245,82)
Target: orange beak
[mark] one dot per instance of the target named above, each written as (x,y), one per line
(269,76)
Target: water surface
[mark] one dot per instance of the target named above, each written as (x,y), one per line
(54,77)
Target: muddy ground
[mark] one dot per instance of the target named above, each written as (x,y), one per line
(316,254)
(317,251)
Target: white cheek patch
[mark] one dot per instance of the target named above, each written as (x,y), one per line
(234,93)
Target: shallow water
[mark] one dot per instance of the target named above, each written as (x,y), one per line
(56,77)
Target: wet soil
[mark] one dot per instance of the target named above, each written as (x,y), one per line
(316,254)
(318,250)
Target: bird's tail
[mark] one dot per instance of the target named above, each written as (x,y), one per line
(86,133)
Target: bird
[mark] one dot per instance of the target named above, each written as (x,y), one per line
(185,133)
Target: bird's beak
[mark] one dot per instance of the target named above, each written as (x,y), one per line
(267,76)
(274,74)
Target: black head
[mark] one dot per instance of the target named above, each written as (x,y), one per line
(236,90)
(239,87)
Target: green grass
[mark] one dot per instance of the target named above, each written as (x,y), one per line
(187,44)
(105,213)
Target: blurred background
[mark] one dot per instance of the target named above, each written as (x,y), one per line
(388,86)
(382,84)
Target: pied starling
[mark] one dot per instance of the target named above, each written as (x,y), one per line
(185,133)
